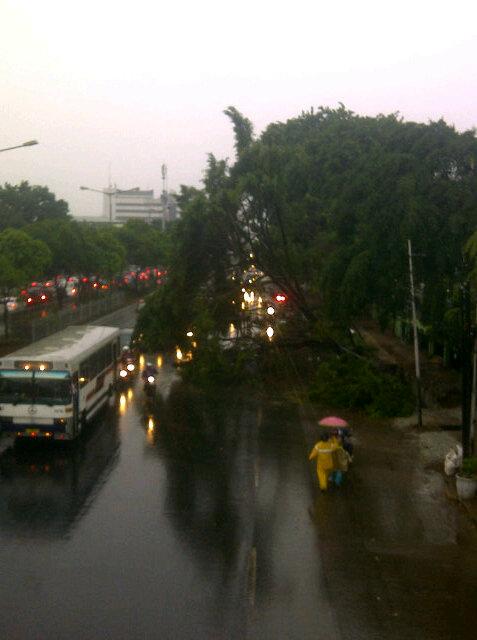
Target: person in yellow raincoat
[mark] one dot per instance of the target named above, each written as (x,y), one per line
(325,464)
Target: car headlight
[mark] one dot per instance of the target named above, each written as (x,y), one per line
(123,373)
(150,379)
(130,367)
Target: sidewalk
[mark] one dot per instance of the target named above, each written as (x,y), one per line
(432,443)
(439,383)
(407,545)
(469,505)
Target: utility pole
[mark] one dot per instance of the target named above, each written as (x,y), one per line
(416,340)
(466,368)
(474,390)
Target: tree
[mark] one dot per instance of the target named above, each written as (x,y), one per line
(144,244)
(110,254)
(243,130)
(71,244)
(328,201)
(21,258)
(325,203)
(23,204)
(199,291)
(31,258)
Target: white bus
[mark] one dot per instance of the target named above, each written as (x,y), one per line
(50,388)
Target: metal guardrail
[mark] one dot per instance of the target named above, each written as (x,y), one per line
(85,312)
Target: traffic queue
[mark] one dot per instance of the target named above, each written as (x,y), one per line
(61,288)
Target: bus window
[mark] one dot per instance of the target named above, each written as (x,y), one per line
(16,386)
(27,387)
(52,387)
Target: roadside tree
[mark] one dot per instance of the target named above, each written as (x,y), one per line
(23,204)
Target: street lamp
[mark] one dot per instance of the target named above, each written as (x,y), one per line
(29,143)
(107,192)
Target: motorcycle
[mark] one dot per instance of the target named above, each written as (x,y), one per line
(149,382)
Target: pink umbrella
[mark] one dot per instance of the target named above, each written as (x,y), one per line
(333,421)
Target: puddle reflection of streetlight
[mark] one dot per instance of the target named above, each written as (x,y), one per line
(150,430)
(159,362)
(122,404)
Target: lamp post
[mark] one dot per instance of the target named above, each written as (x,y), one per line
(416,338)
(29,143)
(107,192)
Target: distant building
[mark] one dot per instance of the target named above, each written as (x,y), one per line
(119,206)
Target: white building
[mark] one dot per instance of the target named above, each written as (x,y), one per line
(135,204)
(119,206)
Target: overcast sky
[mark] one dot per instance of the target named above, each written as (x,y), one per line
(133,85)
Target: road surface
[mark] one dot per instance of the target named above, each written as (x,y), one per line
(187,517)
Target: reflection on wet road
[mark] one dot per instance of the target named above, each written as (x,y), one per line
(181,516)
(147,527)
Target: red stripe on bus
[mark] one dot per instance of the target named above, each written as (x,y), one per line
(96,390)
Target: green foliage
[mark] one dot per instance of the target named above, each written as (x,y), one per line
(26,258)
(333,197)
(10,277)
(163,321)
(213,367)
(469,467)
(23,204)
(354,383)
(110,254)
(78,247)
(143,243)
(72,245)
(326,202)
(199,291)
(243,129)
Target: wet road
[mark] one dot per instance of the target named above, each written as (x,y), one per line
(188,517)
(173,518)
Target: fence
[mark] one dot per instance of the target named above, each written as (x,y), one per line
(40,327)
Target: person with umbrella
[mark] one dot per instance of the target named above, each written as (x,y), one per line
(325,464)
(336,435)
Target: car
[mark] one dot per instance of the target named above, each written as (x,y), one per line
(72,287)
(37,295)
(11,302)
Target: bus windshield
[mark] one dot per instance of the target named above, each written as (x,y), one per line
(35,387)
